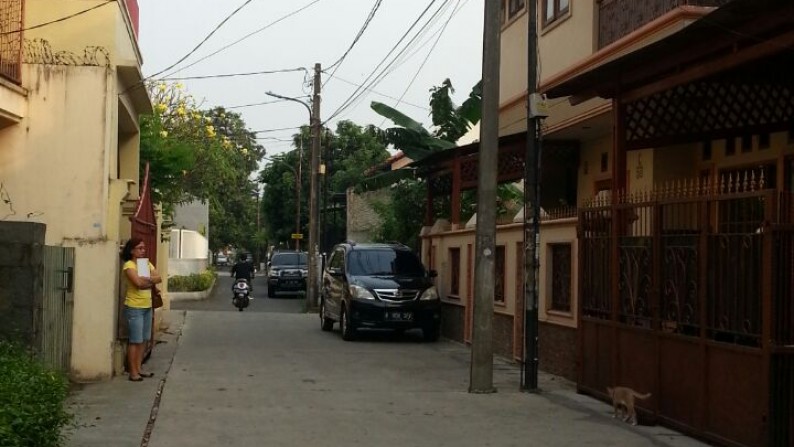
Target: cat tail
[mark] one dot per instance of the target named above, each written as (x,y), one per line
(642,396)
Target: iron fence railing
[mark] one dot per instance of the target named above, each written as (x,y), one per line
(11,25)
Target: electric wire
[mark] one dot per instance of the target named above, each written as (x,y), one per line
(275,130)
(427,57)
(241,106)
(230,75)
(423,44)
(217,27)
(41,25)
(388,68)
(356,94)
(248,35)
(367,21)
(379,93)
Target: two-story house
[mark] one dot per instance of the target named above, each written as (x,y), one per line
(71,93)
(666,244)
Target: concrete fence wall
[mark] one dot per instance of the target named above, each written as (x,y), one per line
(186,267)
(21,280)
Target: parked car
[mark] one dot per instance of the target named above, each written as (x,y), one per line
(287,271)
(221,259)
(378,286)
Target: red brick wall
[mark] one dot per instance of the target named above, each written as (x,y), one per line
(558,348)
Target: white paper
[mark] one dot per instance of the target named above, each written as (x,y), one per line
(143,267)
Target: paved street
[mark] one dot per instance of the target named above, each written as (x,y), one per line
(271,377)
(221,298)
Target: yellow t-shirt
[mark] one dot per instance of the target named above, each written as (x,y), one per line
(137,298)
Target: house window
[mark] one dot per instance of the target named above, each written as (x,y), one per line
(514,7)
(499,283)
(560,277)
(554,10)
(454,271)
(604,162)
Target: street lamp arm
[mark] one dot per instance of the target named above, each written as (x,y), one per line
(287,98)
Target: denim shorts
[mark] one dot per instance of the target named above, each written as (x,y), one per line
(139,322)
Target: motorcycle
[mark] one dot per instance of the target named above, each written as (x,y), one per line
(241,291)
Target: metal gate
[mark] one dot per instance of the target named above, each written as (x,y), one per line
(56,313)
(688,295)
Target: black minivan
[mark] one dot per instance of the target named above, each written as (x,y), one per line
(378,286)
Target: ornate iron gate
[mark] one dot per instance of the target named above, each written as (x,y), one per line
(56,313)
(683,284)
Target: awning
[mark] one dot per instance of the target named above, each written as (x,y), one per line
(741,30)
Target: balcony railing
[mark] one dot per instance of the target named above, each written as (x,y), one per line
(618,18)
(11,25)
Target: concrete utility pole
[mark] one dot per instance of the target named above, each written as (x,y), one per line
(529,376)
(485,243)
(314,196)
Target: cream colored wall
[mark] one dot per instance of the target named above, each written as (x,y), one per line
(107,27)
(507,235)
(590,166)
(569,41)
(54,166)
(513,59)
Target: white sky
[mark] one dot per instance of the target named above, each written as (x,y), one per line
(322,32)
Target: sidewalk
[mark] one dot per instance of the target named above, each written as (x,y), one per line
(119,410)
(124,413)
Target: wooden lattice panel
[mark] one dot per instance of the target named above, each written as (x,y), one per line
(711,108)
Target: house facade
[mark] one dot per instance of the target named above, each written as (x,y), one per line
(71,93)
(666,244)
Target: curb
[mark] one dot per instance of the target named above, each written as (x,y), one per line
(192,296)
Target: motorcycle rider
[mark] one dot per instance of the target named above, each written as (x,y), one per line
(243,270)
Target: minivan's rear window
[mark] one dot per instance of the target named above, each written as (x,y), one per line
(289,259)
(384,262)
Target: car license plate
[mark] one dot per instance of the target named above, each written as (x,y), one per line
(400,316)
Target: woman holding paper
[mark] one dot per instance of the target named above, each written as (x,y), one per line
(141,277)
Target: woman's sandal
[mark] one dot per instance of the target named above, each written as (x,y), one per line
(147,375)
(136,379)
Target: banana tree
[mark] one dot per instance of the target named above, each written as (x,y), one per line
(450,121)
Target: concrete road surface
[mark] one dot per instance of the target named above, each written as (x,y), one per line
(272,378)
(221,297)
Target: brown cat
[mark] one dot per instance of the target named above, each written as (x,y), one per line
(623,402)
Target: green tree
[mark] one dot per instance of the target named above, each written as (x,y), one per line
(205,155)
(347,153)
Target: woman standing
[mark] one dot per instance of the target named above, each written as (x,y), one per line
(138,305)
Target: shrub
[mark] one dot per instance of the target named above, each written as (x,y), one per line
(32,401)
(196,282)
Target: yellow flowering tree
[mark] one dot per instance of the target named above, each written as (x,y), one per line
(200,155)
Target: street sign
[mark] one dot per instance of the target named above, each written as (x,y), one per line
(297,235)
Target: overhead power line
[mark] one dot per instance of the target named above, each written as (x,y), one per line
(427,57)
(254,104)
(369,18)
(248,35)
(71,16)
(275,130)
(356,94)
(229,75)
(217,27)
(377,93)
